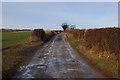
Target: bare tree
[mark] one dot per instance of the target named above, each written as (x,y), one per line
(72,27)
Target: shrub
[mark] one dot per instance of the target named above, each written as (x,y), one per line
(38,35)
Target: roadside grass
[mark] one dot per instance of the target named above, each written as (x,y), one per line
(16,56)
(14,38)
(106,66)
(0,40)
(78,43)
(21,51)
(10,60)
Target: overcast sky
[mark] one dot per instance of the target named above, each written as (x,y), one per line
(50,15)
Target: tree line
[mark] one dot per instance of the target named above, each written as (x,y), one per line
(65,26)
(13,30)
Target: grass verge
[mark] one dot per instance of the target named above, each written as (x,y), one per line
(17,56)
(108,67)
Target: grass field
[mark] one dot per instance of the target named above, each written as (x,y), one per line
(17,56)
(14,38)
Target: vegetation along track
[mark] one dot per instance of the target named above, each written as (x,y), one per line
(57,59)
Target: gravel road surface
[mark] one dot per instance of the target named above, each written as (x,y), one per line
(57,59)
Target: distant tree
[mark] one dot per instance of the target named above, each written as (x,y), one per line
(65,26)
(72,27)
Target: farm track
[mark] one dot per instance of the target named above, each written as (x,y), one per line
(57,59)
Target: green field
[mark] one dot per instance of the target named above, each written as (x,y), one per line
(14,38)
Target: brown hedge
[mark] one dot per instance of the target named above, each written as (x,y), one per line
(103,40)
(38,35)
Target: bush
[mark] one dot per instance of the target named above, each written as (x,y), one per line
(103,40)
(38,35)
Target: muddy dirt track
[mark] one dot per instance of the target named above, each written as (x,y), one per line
(57,59)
